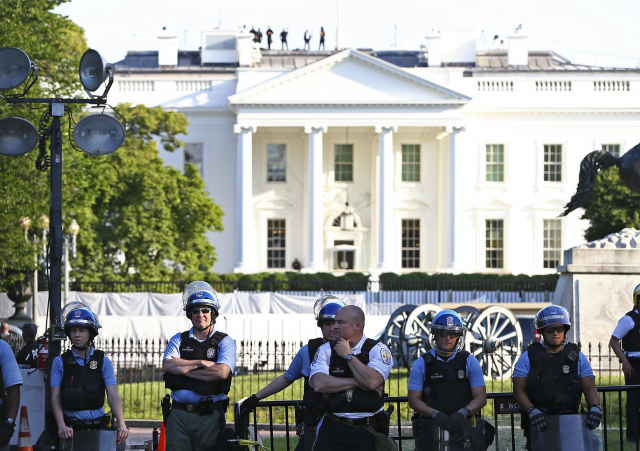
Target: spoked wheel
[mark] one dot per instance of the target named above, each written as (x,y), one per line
(468,314)
(495,338)
(416,330)
(392,330)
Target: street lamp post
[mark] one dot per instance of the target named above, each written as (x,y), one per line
(25,223)
(74,228)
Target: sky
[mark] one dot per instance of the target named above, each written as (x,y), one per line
(585,31)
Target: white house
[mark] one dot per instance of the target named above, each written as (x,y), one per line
(455,160)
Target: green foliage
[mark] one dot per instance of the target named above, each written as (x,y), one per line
(612,207)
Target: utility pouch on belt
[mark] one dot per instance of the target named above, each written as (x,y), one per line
(354,400)
(206,406)
(165,404)
(299,413)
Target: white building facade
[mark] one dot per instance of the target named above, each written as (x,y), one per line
(455,161)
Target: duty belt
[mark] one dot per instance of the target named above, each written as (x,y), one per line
(195,407)
(353,422)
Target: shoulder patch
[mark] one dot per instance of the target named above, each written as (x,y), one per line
(386,356)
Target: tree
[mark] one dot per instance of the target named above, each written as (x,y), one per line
(612,207)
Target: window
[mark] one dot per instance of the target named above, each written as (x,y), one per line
(495,163)
(552,243)
(411,162)
(613,149)
(276,243)
(344,255)
(494,243)
(276,163)
(552,163)
(410,243)
(193,155)
(344,163)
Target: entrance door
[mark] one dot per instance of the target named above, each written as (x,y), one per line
(343,255)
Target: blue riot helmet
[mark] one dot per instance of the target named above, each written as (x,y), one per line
(552,314)
(450,323)
(202,294)
(636,296)
(326,307)
(78,314)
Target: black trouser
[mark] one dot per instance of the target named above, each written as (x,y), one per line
(332,436)
(633,400)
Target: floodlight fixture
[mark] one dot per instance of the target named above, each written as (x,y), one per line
(17,136)
(98,134)
(94,70)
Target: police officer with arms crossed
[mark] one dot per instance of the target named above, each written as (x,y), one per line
(350,373)
(550,377)
(80,376)
(628,330)
(325,310)
(446,385)
(10,382)
(198,367)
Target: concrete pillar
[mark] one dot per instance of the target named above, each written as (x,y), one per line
(315,252)
(245,228)
(454,225)
(386,237)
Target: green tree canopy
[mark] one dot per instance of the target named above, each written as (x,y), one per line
(612,207)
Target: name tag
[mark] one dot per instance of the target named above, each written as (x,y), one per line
(437,376)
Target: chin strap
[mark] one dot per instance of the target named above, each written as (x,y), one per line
(213,321)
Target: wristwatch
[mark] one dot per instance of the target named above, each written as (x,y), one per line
(11,421)
(349,357)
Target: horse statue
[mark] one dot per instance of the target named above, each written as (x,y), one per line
(599,160)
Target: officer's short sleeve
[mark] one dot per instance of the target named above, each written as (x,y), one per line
(625,324)
(474,372)
(416,377)
(584,368)
(107,372)
(295,369)
(320,362)
(56,372)
(227,349)
(522,366)
(380,359)
(10,372)
(173,347)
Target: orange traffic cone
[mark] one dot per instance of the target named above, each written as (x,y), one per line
(24,433)
(162,443)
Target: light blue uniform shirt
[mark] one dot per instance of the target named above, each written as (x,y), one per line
(418,371)
(523,365)
(226,355)
(301,365)
(10,372)
(57,371)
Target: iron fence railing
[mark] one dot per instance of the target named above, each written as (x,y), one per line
(501,411)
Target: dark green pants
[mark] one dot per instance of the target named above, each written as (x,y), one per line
(189,431)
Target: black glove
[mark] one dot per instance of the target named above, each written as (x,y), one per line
(594,417)
(458,420)
(441,419)
(6,432)
(537,419)
(249,404)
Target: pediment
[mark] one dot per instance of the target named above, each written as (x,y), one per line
(275,203)
(413,204)
(550,205)
(495,204)
(348,78)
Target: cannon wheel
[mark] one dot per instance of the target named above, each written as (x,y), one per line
(414,336)
(392,330)
(495,339)
(468,314)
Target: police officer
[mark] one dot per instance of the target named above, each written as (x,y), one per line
(628,330)
(28,355)
(350,373)
(325,310)
(10,382)
(551,376)
(80,377)
(198,367)
(446,385)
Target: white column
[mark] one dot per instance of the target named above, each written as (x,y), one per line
(245,230)
(316,257)
(385,200)
(454,225)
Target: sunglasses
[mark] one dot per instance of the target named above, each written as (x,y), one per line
(195,311)
(450,333)
(552,329)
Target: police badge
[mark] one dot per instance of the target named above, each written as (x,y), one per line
(460,374)
(449,321)
(93,365)
(211,353)
(565,369)
(77,314)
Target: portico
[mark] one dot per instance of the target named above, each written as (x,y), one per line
(344,127)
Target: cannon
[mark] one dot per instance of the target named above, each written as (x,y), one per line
(494,336)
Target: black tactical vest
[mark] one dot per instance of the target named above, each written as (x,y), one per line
(192,349)
(82,386)
(553,382)
(311,399)
(631,341)
(446,385)
(356,400)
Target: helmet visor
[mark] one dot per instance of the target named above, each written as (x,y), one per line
(323,301)
(195,287)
